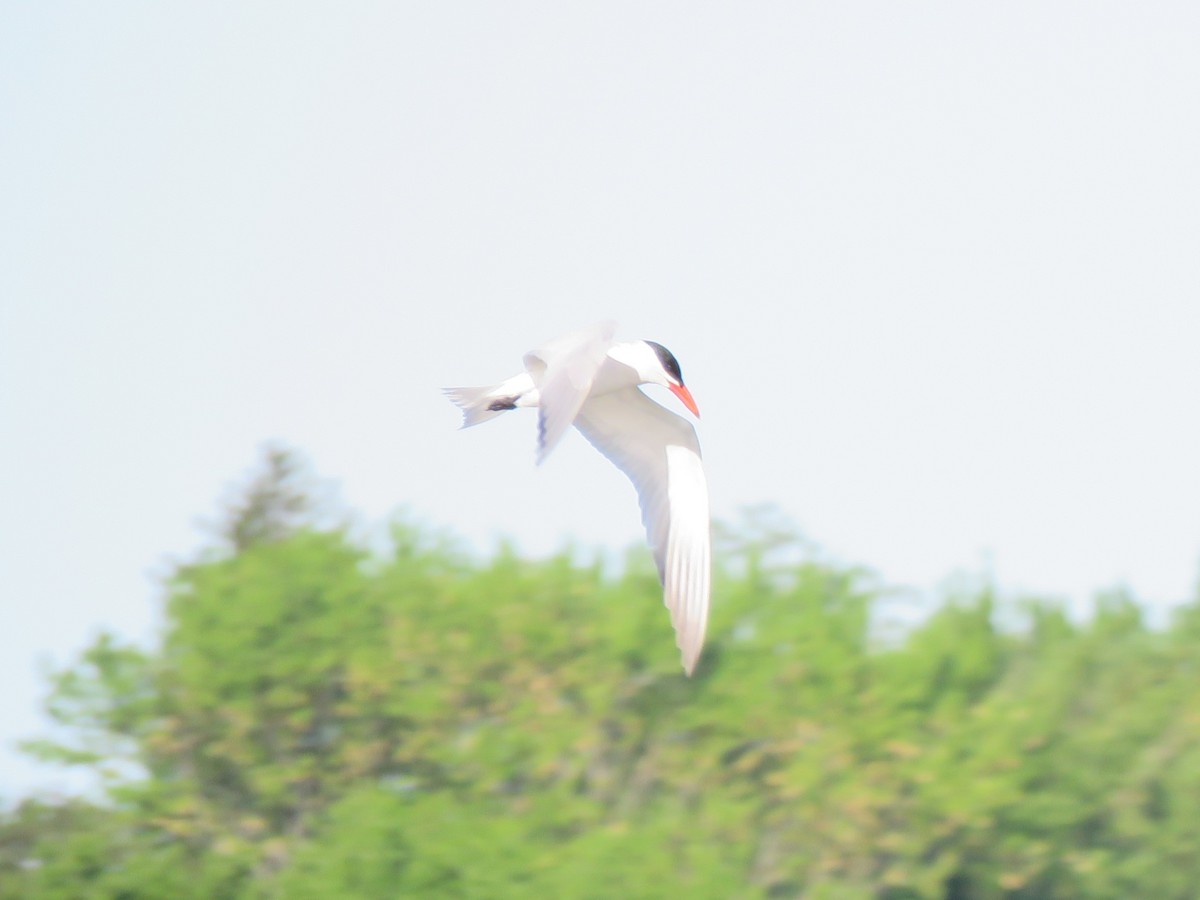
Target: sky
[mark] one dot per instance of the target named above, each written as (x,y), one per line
(930,270)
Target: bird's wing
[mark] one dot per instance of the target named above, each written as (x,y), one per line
(564,369)
(659,452)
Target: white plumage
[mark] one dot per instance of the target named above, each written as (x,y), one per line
(586,380)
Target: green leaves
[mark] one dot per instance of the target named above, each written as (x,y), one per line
(325,721)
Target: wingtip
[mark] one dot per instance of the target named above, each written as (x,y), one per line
(690,657)
(544,446)
(689,639)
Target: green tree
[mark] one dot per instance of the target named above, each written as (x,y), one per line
(321,720)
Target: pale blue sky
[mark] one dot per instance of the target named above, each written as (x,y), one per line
(931,271)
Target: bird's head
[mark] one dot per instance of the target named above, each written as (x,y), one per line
(659,366)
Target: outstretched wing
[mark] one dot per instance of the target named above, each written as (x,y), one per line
(563,370)
(659,452)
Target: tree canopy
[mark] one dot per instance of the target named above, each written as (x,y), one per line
(326,720)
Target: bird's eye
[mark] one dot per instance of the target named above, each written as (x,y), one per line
(669,363)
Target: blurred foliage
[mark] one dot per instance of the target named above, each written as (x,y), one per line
(321,721)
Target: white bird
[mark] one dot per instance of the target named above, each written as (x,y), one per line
(586,380)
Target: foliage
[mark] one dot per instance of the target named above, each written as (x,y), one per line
(322,722)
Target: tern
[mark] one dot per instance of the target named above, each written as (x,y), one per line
(588,380)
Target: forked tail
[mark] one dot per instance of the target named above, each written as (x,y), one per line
(482,403)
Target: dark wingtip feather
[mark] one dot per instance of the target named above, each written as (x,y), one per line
(540,454)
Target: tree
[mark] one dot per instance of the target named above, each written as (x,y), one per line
(325,721)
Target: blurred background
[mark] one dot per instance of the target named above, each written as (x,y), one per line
(931,274)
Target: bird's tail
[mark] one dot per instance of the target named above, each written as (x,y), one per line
(482,403)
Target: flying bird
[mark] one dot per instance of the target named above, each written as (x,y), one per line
(587,380)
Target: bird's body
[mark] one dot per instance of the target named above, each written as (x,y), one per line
(587,380)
